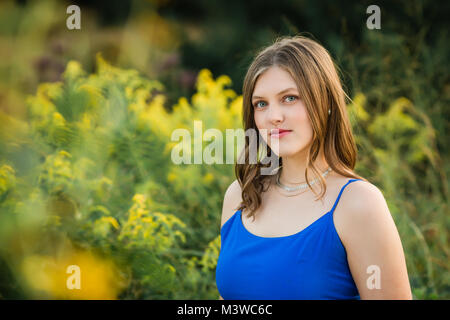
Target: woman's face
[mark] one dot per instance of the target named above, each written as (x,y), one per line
(277,105)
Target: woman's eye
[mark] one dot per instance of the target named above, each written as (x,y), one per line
(257,104)
(292,97)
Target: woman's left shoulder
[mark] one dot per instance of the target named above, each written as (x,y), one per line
(357,191)
(364,192)
(364,202)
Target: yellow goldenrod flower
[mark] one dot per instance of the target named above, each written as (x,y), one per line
(74,275)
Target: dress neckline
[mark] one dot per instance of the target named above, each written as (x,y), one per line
(304,230)
(311,225)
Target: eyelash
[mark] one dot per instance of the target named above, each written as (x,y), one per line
(256,103)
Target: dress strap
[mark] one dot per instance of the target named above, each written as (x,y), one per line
(342,189)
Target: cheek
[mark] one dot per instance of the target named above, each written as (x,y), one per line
(260,125)
(300,123)
(299,113)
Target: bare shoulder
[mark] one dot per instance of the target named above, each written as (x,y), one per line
(370,237)
(362,206)
(231,200)
(360,196)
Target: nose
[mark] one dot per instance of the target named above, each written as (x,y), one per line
(275,114)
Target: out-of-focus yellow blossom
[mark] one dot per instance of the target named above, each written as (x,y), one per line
(211,255)
(403,126)
(58,119)
(50,91)
(50,277)
(383,125)
(112,221)
(236,107)
(73,70)
(151,229)
(86,123)
(7,179)
(171,177)
(96,97)
(356,109)
(103,225)
(57,172)
(208,178)
(40,106)
(211,104)
(182,111)
(101,209)
(155,117)
(139,98)
(129,92)
(205,81)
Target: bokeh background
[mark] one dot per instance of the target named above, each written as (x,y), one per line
(86,118)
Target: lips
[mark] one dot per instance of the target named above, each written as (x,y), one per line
(279,131)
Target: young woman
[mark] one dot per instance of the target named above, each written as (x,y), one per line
(293,237)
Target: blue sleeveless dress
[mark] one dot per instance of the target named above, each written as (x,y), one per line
(308,265)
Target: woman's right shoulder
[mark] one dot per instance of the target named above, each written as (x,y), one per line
(231,200)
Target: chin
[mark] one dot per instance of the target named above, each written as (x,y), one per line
(284,151)
(287,152)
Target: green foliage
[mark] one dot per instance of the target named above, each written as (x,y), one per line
(104,181)
(98,176)
(398,154)
(75,154)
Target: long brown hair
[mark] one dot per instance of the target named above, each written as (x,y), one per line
(319,85)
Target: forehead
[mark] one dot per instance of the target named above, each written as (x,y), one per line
(272,81)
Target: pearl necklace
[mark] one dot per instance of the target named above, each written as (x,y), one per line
(302,186)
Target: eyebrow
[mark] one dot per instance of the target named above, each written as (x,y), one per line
(283,91)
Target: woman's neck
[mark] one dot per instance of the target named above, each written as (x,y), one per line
(293,169)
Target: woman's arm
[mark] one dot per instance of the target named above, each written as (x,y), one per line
(231,200)
(374,249)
